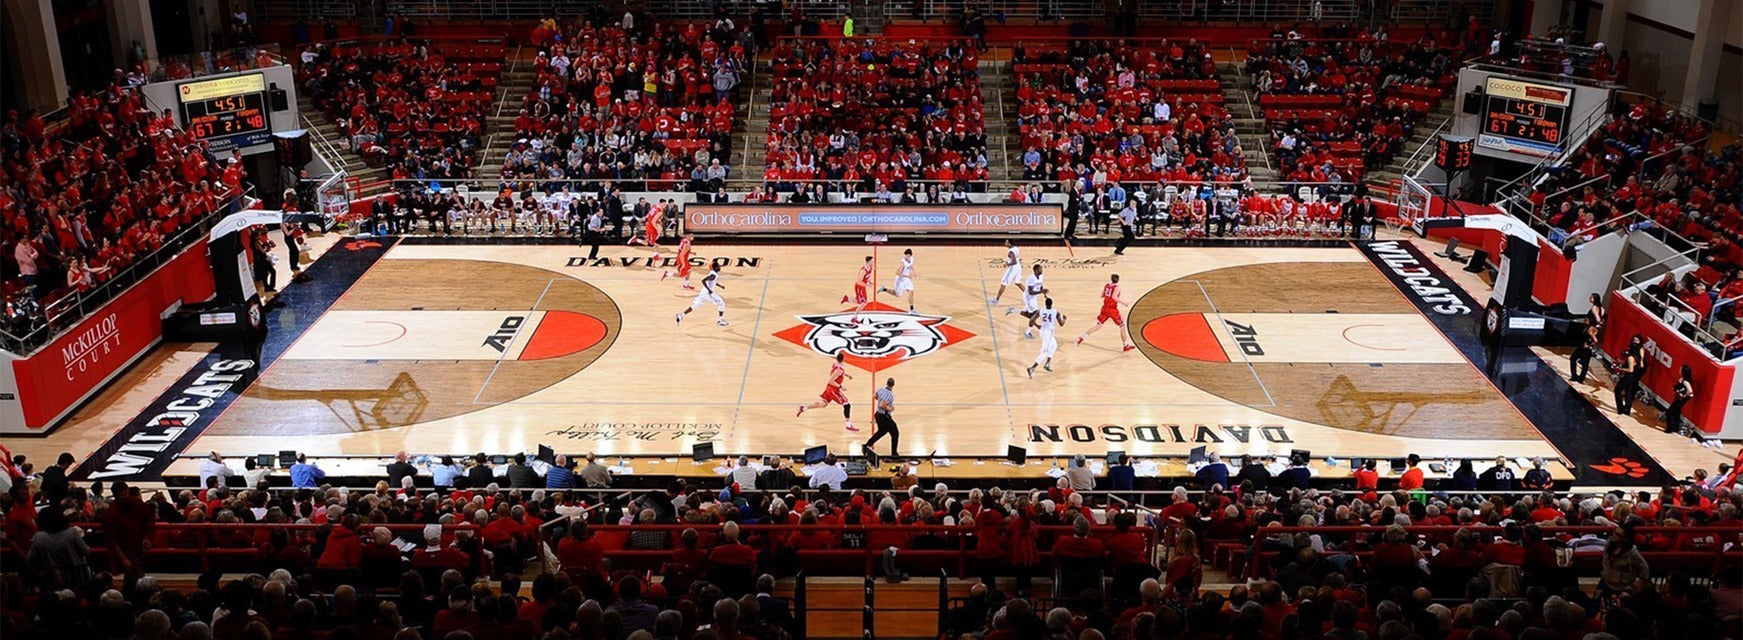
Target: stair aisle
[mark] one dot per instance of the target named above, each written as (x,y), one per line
(517,82)
(1249,121)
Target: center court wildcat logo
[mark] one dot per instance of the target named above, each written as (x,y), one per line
(878,338)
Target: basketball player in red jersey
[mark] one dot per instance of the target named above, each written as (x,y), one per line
(1110,310)
(832,391)
(683,261)
(651,230)
(862,287)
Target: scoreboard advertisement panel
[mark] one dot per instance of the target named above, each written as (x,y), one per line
(229,112)
(1525,117)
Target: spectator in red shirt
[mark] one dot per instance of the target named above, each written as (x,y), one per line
(1508,550)
(580,554)
(1177,513)
(437,556)
(1079,547)
(344,550)
(129,524)
(729,551)
(1546,510)
(1185,569)
(459,615)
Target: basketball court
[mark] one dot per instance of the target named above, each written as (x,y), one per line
(456,348)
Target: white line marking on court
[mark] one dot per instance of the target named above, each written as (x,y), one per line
(1224,328)
(499,359)
(993,332)
(756,325)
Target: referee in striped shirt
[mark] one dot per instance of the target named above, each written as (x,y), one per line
(885,404)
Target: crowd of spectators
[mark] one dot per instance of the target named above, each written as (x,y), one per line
(410,563)
(84,199)
(1651,168)
(645,103)
(862,116)
(1339,107)
(414,107)
(1118,111)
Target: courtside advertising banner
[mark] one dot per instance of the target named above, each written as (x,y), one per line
(732,218)
(1666,353)
(63,373)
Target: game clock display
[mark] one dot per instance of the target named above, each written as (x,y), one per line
(226,116)
(1525,117)
(1534,121)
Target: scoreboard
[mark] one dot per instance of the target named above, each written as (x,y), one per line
(1525,117)
(229,112)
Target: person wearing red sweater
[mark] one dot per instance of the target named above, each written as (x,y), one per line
(1079,547)
(730,552)
(435,555)
(344,550)
(581,554)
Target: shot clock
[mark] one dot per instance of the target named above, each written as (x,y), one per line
(230,112)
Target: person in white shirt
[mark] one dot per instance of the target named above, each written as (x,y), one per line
(829,475)
(253,473)
(1013,273)
(707,294)
(744,475)
(904,279)
(213,467)
(1034,288)
(1048,319)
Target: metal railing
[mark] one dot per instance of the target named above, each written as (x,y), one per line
(527,10)
(998,11)
(1672,311)
(205,63)
(66,311)
(738,188)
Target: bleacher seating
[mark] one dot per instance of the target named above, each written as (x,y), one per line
(417,107)
(1307,562)
(858,113)
(1652,167)
(638,107)
(86,198)
(1145,112)
(1338,108)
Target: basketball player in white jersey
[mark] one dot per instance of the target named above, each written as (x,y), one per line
(710,283)
(833,391)
(1034,289)
(904,279)
(1110,310)
(1048,319)
(1013,274)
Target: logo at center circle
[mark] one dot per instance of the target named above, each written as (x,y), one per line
(877,338)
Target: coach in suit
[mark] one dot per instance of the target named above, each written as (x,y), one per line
(613,207)
(1359,215)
